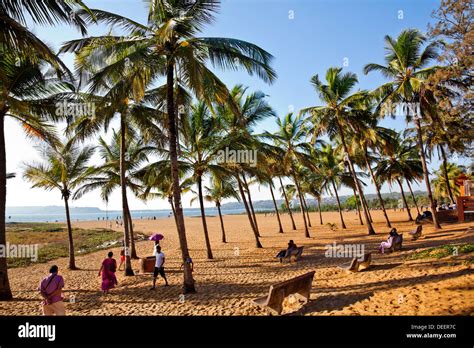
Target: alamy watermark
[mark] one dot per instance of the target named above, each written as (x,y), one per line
(243,156)
(401,109)
(345,251)
(19,251)
(68,109)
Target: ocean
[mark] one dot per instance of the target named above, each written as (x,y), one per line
(111,215)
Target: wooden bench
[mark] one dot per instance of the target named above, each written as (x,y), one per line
(416,233)
(299,286)
(295,252)
(356,265)
(396,243)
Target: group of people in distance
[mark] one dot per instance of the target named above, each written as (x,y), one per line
(51,287)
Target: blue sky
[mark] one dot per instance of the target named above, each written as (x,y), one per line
(305,36)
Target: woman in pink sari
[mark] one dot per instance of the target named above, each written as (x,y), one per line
(108,268)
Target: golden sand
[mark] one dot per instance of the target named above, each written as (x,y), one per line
(239,272)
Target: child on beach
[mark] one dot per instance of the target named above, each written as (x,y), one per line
(122,255)
(159,266)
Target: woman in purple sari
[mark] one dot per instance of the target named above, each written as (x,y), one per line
(108,268)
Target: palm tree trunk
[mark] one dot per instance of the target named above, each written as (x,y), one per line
(170,200)
(5,290)
(203,218)
(276,209)
(251,204)
(338,204)
(367,207)
(358,208)
(133,251)
(426,173)
(404,200)
(307,211)
(188,283)
(413,197)
(300,196)
(218,205)
(377,189)
(319,208)
(445,173)
(370,229)
(123,186)
(249,215)
(287,204)
(72,261)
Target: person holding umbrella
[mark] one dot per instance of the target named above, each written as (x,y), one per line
(156,237)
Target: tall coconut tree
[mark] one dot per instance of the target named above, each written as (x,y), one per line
(399,163)
(442,186)
(329,165)
(407,61)
(172,49)
(202,142)
(368,141)
(221,188)
(337,115)
(291,138)
(28,97)
(64,168)
(106,176)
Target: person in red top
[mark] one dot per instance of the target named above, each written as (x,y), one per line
(51,290)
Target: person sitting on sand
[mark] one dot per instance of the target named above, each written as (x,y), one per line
(108,269)
(388,244)
(291,246)
(159,267)
(51,291)
(285,252)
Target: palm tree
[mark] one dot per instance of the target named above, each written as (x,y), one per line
(27,97)
(221,188)
(291,138)
(106,176)
(406,62)
(269,170)
(312,184)
(65,168)
(371,136)
(201,145)
(330,167)
(171,48)
(400,162)
(442,186)
(340,110)
(15,35)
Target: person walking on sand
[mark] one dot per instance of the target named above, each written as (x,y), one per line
(159,266)
(51,290)
(108,269)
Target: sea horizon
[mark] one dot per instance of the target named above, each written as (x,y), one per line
(112,215)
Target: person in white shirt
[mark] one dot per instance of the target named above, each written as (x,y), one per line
(159,266)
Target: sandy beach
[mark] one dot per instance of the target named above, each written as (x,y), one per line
(226,285)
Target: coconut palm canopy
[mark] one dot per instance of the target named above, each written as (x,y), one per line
(165,122)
